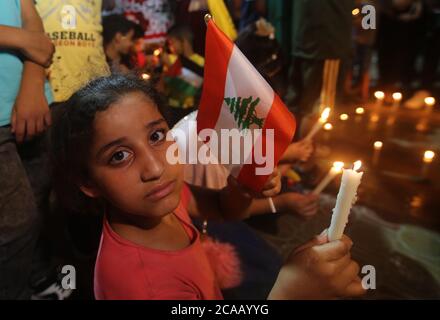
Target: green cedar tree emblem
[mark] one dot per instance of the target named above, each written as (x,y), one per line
(244,111)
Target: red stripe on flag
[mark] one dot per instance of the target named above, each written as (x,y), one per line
(284,124)
(218,50)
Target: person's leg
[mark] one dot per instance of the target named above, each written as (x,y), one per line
(386,52)
(305,86)
(36,163)
(19,227)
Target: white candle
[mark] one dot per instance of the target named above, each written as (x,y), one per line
(429,101)
(429,104)
(318,125)
(428,156)
(377,147)
(379,95)
(346,197)
(332,173)
(360,110)
(397,98)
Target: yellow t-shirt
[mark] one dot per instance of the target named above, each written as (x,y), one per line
(196,58)
(76,31)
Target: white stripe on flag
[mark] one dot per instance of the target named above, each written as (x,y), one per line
(242,80)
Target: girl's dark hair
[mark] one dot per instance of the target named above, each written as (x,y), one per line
(71,133)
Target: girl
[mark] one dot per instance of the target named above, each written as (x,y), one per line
(109,145)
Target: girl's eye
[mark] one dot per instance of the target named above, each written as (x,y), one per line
(119,157)
(157,136)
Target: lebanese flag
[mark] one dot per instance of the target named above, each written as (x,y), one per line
(231,83)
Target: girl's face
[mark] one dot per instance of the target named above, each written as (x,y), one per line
(128,165)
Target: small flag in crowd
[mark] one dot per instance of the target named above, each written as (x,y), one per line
(183,82)
(236,96)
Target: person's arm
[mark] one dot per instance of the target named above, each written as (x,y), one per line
(232,202)
(301,150)
(30,115)
(35,46)
(12,37)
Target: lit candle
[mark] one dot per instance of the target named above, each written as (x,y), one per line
(429,101)
(360,110)
(428,156)
(157,52)
(379,95)
(328,126)
(346,198)
(374,120)
(318,125)
(429,104)
(146,76)
(397,98)
(377,147)
(332,173)
(343,117)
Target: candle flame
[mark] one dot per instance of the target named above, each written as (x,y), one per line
(157,52)
(338,165)
(357,165)
(428,156)
(379,95)
(324,115)
(374,118)
(397,96)
(360,110)
(429,101)
(328,126)
(146,76)
(378,145)
(355,11)
(343,117)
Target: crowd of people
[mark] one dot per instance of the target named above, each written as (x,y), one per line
(88,91)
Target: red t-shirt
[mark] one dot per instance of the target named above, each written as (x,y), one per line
(125,270)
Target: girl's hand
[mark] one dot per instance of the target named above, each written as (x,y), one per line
(301,150)
(273,184)
(271,188)
(319,270)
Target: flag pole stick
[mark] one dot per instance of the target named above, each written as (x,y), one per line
(207,18)
(272,206)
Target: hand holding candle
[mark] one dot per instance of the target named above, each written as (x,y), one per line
(345,199)
(333,172)
(319,124)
